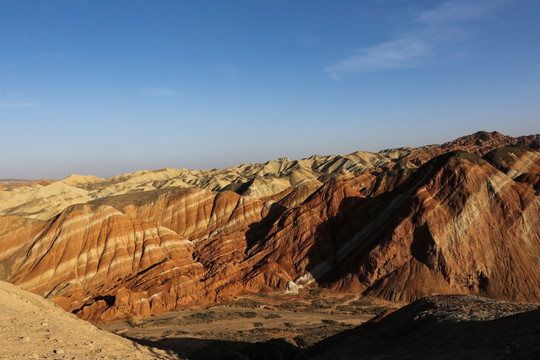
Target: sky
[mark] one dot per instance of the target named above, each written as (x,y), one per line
(105,87)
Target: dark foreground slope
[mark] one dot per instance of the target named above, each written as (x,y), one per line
(441,327)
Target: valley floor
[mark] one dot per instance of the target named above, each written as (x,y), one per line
(275,324)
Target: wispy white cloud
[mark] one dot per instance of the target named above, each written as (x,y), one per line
(58,54)
(456,11)
(157,92)
(432,31)
(17,105)
(400,53)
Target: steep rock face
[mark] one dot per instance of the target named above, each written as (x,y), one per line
(105,263)
(520,163)
(192,213)
(295,195)
(447,229)
(467,228)
(15,232)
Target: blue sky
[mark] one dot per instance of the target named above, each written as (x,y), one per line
(108,87)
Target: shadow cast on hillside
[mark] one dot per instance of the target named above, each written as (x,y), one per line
(210,349)
(259,230)
(358,226)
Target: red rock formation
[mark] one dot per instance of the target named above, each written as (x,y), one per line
(447,229)
(91,253)
(435,222)
(15,232)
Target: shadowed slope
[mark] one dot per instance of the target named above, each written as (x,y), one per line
(441,327)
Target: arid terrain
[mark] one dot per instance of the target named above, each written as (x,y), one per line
(286,253)
(441,327)
(34,328)
(285,323)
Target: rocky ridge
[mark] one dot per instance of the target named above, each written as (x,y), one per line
(44,199)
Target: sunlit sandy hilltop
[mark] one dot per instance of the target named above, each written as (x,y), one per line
(34,328)
(398,225)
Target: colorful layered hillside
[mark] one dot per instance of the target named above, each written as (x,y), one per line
(461,217)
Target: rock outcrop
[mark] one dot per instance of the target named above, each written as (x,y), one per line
(95,256)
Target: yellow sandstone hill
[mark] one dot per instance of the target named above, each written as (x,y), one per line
(33,328)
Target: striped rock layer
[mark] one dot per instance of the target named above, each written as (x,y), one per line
(438,221)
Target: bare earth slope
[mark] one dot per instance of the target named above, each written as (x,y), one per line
(441,327)
(461,217)
(34,328)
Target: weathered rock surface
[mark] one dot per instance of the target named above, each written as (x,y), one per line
(400,224)
(41,202)
(440,327)
(96,254)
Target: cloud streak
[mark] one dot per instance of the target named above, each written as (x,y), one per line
(434,30)
(400,53)
(457,11)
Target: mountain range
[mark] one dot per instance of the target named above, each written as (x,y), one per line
(456,218)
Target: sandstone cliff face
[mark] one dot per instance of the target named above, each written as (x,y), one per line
(463,227)
(400,224)
(98,254)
